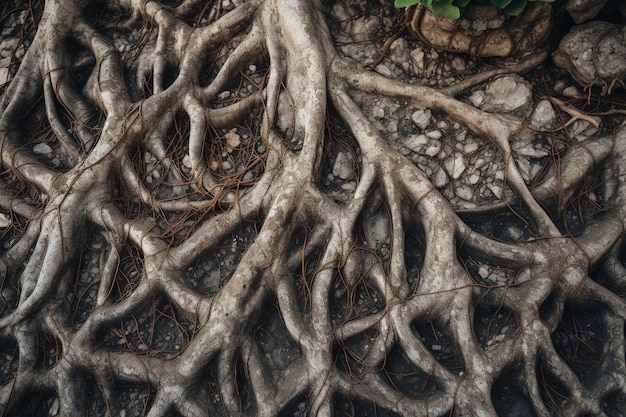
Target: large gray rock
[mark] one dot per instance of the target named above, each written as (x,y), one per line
(594,53)
(583,10)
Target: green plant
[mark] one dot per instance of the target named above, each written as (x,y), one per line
(453,9)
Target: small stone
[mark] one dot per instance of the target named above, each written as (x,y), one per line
(378,112)
(571,91)
(399,51)
(383,70)
(496,190)
(248,176)
(223,95)
(232,139)
(42,149)
(416,142)
(417,59)
(483,271)
(54,408)
(507,94)
(471,147)
(464,192)
(349,186)
(583,10)
(421,118)
(433,149)
(477,98)
(458,64)
(5,221)
(343,166)
(435,134)
(455,165)
(441,179)
(4,75)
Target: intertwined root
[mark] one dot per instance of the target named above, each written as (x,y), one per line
(186,255)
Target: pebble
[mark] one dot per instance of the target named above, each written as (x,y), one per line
(383,70)
(378,112)
(416,142)
(343,166)
(441,179)
(433,150)
(464,192)
(473,179)
(4,220)
(483,271)
(455,165)
(417,58)
(435,134)
(421,118)
(42,149)
(507,94)
(232,139)
(4,75)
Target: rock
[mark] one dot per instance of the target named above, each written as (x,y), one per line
(416,142)
(4,75)
(383,70)
(421,118)
(583,10)
(232,139)
(571,91)
(378,111)
(464,192)
(399,51)
(343,166)
(594,53)
(417,60)
(543,117)
(364,29)
(377,230)
(440,179)
(507,94)
(5,221)
(433,149)
(42,149)
(455,165)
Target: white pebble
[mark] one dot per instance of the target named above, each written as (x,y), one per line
(4,220)
(421,118)
(455,165)
(42,149)
(343,166)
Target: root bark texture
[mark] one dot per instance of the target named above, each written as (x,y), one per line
(186,257)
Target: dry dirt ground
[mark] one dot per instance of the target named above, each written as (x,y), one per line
(290,208)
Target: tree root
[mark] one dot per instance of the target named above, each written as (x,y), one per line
(222,248)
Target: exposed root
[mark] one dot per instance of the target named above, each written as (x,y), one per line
(207,206)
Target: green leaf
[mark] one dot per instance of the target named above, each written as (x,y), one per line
(461,3)
(515,7)
(427,3)
(500,3)
(405,3)
(447,11)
